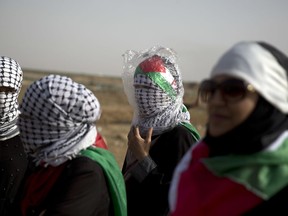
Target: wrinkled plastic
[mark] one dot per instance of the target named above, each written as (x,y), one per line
(133,58)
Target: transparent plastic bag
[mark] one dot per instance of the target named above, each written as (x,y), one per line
(133,58)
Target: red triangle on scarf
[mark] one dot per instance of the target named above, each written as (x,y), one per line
(153,64)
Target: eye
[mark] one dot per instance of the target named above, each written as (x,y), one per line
(7,89)
(207,89)
(233,87)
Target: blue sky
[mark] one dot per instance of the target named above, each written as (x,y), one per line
(90,36)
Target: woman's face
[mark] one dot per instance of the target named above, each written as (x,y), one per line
(225,112)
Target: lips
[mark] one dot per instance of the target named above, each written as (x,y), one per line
(217,117)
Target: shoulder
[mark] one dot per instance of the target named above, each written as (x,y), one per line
(180,129)
(83,164)
(179,139)
(12,150)
(14,140)
(80,189)
(82,173)
(179,132)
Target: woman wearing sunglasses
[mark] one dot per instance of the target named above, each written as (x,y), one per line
(240,167)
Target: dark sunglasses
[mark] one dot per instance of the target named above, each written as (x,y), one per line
(232,90)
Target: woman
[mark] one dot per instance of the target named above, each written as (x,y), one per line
(71,175)
(13,160)
(161,131)
(241,165)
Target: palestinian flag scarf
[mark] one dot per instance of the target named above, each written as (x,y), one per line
(114,177)
(229,184)
(233,173)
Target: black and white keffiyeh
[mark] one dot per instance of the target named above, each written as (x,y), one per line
(11,77)
(57,119)
(154,88)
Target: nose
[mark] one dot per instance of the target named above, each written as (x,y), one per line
(217,98)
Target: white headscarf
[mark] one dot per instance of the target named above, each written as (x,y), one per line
(57,119)
(245,60)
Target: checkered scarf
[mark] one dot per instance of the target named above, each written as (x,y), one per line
(11,76)
(57,119)
(158,90)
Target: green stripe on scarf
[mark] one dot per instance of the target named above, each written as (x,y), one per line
(264,173)
(192,130)
(189,126)
(114,176)
(159,80)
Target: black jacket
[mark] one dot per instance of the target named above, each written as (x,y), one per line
(81,189)
(150,196)
(13,164)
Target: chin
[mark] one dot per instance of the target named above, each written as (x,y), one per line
(216,131)
(216,134)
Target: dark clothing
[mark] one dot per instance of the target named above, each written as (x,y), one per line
(253,184)
(256,133)
(149,195)
(13,164)
(80,189)
(276,205)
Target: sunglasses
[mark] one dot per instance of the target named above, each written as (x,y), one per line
(232,90)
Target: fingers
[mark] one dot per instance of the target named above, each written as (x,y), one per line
(136,131)
(149,135)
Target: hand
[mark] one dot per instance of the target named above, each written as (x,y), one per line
(138,146)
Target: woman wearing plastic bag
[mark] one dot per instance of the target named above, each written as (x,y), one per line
(161,131)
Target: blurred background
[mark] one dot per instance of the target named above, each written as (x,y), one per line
(89,36)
